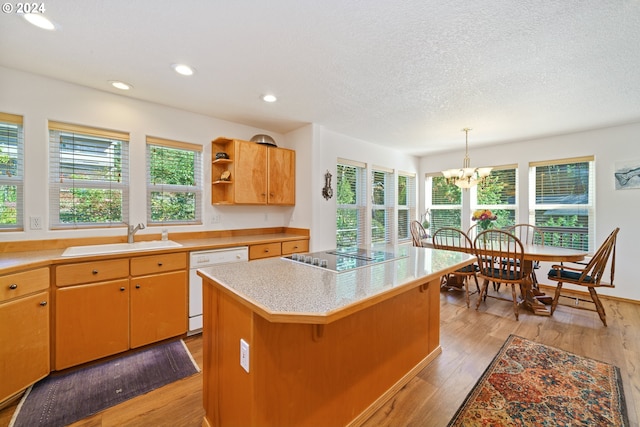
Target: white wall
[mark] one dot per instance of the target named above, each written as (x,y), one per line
(39,99)
(613,208)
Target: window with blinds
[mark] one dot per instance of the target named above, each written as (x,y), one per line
(89,176)
(382,206)
(351,195)
(499,193)
(444,203)
(11,172)
(562,201)
(174,182)
(406,204)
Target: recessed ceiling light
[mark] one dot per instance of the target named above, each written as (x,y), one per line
(120,85)
(40,21)
(183,69)
(269,98)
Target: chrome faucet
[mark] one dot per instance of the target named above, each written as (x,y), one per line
(132,231)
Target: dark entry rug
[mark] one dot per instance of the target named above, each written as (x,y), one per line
(531,384)
(61,399)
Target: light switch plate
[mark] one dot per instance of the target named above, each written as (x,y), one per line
(244,354)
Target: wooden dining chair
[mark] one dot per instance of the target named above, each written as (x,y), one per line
(454,239)
(588,275)
(531,234)
(501,260)
(472,232)
(418,233)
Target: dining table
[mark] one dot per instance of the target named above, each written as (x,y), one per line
(543,253)
(540,253)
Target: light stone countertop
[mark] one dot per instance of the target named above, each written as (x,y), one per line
(286,291)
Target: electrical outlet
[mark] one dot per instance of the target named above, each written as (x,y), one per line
(244,354)
(35,222)
(216,219)
(266,217)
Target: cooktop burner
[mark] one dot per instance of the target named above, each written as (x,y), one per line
(343,259)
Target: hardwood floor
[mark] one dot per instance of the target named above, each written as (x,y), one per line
(469,339)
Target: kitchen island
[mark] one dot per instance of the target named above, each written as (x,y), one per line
(321,348)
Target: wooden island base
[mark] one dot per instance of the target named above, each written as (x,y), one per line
(301,374)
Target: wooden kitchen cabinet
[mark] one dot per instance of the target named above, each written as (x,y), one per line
(158,307)
(92,321)
(259,174)
(24,330)
(281,178)
(295,247)
(146,302)
(265,250)
(158,298)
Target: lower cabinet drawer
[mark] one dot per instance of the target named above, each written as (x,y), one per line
(295,247)
(158,263)
(23,283)
(94,271)
(264,251)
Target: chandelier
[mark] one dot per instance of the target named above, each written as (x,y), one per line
(466,177)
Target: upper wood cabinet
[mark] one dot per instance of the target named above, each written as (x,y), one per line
(251,173)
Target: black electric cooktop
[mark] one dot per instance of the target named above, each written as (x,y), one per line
(343,259)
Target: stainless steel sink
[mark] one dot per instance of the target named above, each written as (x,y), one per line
(112,248)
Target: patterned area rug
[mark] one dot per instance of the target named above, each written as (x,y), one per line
(531,384)
(61,399)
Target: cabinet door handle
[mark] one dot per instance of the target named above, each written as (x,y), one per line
(43,303)
(137,286)
(13,286)
(266,250)
(94,272)
(123,288)
(159,264)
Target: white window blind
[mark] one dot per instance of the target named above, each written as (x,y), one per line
(382,206)
(11,172)
(562,201)
(499,193)
(351,190)
(406,204)
(89,176)
(444,201)
(174,182)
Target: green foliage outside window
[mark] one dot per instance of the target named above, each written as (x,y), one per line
(347,212)
(90,205)
(172,175)
(10,142)
(499,189)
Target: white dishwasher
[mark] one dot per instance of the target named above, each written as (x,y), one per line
(204,259)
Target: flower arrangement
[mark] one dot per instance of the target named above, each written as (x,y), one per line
(484,217)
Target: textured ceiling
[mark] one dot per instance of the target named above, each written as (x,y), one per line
(408,74)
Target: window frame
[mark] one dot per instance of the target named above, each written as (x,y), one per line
(57,183)
(152,186)
(409,207)
(431,207)
(501,222)
(554,235)
(15,179)
(388,206)
(359,206)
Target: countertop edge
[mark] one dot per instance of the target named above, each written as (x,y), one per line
(12,262)
(331,316)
